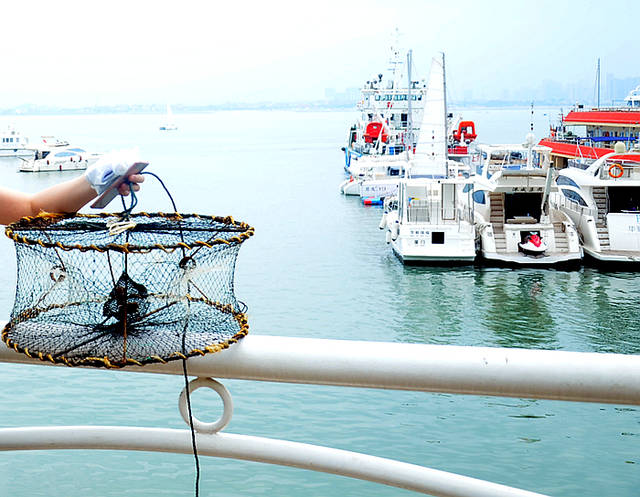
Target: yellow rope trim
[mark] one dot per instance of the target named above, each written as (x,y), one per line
(43,220)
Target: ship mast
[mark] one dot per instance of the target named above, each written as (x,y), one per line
(446,128)
(598,80)
(409,110)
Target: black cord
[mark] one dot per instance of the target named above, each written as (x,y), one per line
(134,200)
(126,212)
(193,431)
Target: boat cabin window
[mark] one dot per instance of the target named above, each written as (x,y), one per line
(575,196)
(522,205)
(624,199)
(437,237)
(563,180)
(479,197)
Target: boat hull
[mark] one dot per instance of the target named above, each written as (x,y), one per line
(20,152)
(613,256)
(521,259)
(36,166)
(457,247)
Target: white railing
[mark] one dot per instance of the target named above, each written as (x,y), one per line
(561,201)
(571,376)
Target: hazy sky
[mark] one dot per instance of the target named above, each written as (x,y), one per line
(67,52)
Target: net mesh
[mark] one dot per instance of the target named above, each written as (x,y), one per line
(97,290)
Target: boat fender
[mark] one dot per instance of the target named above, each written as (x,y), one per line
(388,236)
(383,221)
(342,185)
(395,229)
(616,171)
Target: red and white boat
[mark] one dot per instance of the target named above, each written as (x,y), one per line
(587,134)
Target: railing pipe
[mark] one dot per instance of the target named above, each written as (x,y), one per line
(258,449)
(521,373)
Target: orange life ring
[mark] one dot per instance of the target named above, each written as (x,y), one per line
(616,166)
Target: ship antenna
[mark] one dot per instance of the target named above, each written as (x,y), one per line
(409,135)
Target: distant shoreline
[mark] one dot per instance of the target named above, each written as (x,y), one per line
(36,110)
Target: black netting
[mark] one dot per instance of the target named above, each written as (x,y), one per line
(152,288)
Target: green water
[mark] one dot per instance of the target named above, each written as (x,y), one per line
(319,267)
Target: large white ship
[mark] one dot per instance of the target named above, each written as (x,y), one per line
(388,106)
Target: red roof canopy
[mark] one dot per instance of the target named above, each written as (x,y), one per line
(573,150)
(606,117)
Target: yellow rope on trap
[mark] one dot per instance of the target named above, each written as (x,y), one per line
(158,287)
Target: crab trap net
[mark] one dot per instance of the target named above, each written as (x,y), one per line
(105,291)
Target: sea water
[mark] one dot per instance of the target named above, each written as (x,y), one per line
(319,267)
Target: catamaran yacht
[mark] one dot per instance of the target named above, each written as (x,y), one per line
(13,144)
(603,201)
(429,221)
(515,221)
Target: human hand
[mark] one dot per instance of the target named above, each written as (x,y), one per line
(133,183)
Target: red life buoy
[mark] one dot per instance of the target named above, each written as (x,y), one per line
(616,167)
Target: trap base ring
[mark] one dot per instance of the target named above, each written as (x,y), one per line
(221,390)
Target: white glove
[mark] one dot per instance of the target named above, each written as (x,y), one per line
(109,168)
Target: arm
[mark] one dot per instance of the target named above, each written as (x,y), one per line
(63,197)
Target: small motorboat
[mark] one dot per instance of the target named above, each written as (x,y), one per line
(372,200)
(533,245)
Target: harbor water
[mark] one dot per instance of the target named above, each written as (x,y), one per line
(319,267)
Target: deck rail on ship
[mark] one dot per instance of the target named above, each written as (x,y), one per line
(521,373)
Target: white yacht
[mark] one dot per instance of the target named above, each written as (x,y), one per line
(429,221)
(515,221)
(603,201)
(56,155)
(13,144)
(632,100)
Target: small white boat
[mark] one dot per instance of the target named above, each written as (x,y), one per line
(169,124)
(13,144)
(58,157)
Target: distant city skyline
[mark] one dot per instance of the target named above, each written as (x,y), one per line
(71,53)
